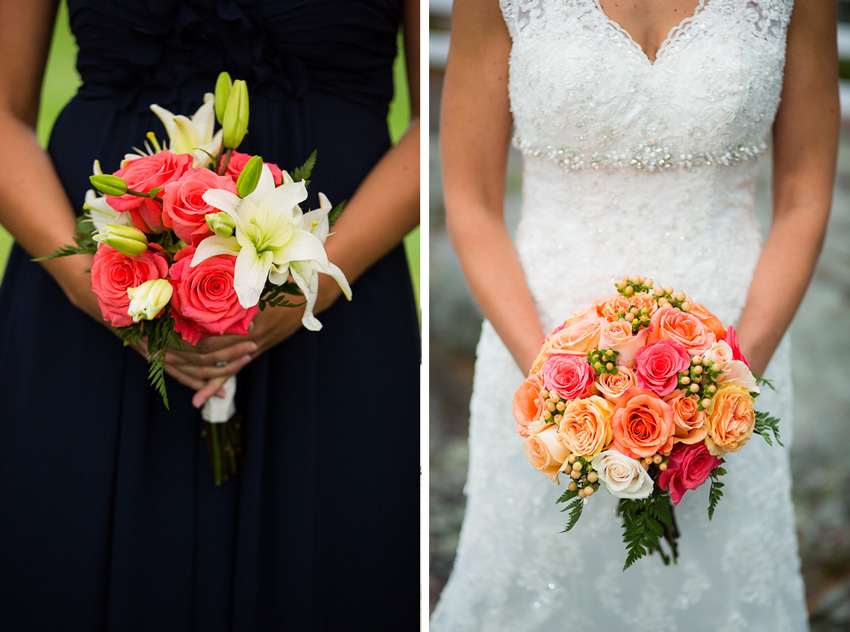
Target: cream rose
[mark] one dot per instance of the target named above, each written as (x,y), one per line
(545,452)
(585,428)
(622,476)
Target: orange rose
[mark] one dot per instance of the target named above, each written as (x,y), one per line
(586,426)
(708,319)
(545,452)
(644,301)
(731,423)
(686,329)
(642,424)
(689,420)
(528,405)
(613,386)
(609,307)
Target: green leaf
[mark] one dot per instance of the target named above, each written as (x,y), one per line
(303,172)
(645,523)
(765,424)
(336,212)
(567,496)
(575,509)
(715,492)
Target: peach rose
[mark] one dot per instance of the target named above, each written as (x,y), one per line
(733,419)
(579,337)
(528,405)
(644,301)
(689,420)
(738,373)
(617,335)
(672,324)
(721,354)
(642,424)
(708,319)
(586,426)
(612,386)
(610,306)
(545,452)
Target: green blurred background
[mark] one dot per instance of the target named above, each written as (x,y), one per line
(61,81)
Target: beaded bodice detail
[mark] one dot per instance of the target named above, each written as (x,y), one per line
(590,101)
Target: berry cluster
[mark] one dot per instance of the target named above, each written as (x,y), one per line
(700,380)
(554,407)
(585,479)
(603,361)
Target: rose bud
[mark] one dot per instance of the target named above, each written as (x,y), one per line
(148,299)
(128,240)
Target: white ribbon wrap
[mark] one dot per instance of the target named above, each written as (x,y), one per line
(217,410)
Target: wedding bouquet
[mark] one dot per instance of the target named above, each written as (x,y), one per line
(191,238)
(645,392)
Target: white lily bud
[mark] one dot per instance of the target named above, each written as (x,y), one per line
(221,224)
(148,299)
(128,240)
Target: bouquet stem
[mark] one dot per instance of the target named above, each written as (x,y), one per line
(224,445)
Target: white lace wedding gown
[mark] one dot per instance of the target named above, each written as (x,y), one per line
(631,167)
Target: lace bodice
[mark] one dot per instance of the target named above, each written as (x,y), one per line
(631,167)
(709,97)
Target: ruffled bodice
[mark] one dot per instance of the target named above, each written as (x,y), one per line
(164,51)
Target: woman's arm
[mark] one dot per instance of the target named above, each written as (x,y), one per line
(381,212)
(475,132)
(804,152)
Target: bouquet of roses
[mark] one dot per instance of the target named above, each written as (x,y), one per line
(191,238)
(645,392)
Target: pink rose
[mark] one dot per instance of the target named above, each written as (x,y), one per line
(112,274)
(143,174)
(204,302)
(184,209)
(688,468)
(570,376)
(237,164)
(686,329)
(731,339)
(659,364)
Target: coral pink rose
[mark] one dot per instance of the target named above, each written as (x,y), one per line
(617,335)
(688,468)
(144,174)
(204,302)
(545,452)
(612,386)
(657,366)
(690,421)
(642,424)
(528,405)
(732,421)
(112,274)
(184,209)
(570,376)
(708,319)
(731,339)
(672,324)
(585,428)
(237,164)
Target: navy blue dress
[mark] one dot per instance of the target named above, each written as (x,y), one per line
(109,518)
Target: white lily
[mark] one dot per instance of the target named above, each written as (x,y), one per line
(192,134)
(270,242)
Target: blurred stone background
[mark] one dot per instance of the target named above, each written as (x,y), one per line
(820,338)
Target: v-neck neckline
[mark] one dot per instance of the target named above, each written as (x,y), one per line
(672,34)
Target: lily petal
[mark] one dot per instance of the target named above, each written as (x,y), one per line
(302,247)
(265,186)
(223,200)
(214,246)
(250,274)
(309,286)
(285,197)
